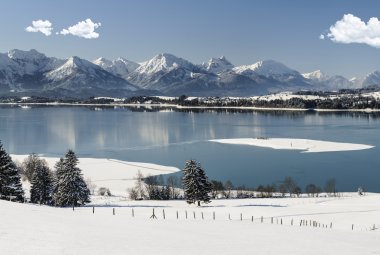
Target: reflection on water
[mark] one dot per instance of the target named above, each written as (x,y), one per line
(170,136)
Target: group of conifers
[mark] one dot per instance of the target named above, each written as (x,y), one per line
(63,187)
(66,187)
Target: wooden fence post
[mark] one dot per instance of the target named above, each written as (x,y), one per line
(133,212)
(113,211)
(177,215)
(153,215)
(93,210)
(213,215)
(163,213)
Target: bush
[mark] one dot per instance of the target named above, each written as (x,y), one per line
(104,191)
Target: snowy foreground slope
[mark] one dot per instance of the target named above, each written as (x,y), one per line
(32,229)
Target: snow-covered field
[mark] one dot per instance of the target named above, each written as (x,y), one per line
(32,229)
(305,145)
(342,225)
(114,174)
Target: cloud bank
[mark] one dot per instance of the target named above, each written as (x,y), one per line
(351,29)
(84,29)
(43,26)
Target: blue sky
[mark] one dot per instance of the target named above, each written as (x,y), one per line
(244,31)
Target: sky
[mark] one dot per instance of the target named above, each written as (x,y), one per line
(245,31)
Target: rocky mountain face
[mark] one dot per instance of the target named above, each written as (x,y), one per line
(33,73)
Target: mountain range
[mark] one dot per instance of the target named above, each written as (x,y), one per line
(27,73)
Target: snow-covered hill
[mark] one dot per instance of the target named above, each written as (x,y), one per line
(300,226)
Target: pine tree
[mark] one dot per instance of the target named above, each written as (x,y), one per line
(195,183)
(57,175)
(71,188)
(42,185)
(10,180)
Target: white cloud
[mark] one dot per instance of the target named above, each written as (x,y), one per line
(85,29)
(322,37)
(43,26)
(351,29)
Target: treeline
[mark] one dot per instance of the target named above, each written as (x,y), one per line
(287,186)
(157,188)
(329,100)
(63,186)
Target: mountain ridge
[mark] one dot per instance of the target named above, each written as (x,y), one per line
(164,74)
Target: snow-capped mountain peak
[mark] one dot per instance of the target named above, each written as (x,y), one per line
(316,75)
(121,67)
(71,66)
(25,55)
(218,65)
(102,62)
(266,68)
(372,79)
(163,62)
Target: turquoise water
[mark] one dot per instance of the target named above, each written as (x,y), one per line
(170,137)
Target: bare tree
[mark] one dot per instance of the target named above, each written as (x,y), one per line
(139,186)
(330,187)
(312,190)
(91,186)
(172,182)
(228,186)
(30,164)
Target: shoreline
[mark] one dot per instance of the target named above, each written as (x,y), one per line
(253,108)
(117,175)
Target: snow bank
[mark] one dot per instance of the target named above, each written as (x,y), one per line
(31,229)
(114,174)
(305,145)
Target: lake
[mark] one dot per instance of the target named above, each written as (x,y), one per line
(169,137)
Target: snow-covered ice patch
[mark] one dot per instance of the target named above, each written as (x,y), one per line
(305,145)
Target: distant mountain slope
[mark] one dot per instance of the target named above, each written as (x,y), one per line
(79,75)
(31,72)
(323,81)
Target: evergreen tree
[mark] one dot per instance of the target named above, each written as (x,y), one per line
(42,185)
(195,183)
(10,180)
(57,175)
(71,188)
